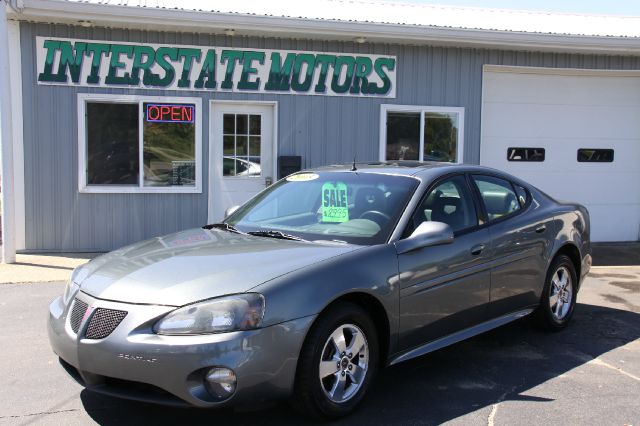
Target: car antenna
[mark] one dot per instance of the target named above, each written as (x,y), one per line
(354,168)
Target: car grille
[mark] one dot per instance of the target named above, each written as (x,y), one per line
(79,308)
(103,322)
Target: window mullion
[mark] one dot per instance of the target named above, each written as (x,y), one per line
(140,144)
(421,148)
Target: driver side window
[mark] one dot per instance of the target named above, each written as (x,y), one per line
(450,202)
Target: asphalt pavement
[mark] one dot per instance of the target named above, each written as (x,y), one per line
(586,374)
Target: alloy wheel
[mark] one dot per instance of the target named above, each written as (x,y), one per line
(344,363)
(561,294)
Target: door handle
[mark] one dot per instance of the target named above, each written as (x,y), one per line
(540,229)
(476,250)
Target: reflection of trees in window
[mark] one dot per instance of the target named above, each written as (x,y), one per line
(588,155)
(403,136)
(525,154)
(241,140)
(169,153)
(440,136)
(112,143)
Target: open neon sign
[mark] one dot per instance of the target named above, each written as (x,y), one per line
(170,113)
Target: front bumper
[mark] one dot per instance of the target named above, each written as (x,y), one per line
(135,363)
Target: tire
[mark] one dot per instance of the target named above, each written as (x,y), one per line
(555,316)
(312,395)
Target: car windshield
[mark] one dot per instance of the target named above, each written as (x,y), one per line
(351,207)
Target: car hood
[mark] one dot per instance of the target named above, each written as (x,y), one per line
(196,264)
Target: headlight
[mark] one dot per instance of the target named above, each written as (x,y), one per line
(71,288)
(70,291)
(220,315)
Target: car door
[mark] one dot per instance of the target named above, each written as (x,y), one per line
(445,288)
(519,240)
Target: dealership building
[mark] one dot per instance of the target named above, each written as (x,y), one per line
(123,120)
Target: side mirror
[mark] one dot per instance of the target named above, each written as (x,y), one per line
(231,210)
(425,235)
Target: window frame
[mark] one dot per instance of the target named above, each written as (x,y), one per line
(387,108)
(472,193)
(83,187)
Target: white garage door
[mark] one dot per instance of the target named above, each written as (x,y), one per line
(561,112)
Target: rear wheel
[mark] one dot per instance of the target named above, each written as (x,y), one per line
(559,294)
(337,363)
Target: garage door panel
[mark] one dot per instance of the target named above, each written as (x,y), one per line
(551,89)
(562,113)
(584,187)
(561,121)
(614,223)
(559,150)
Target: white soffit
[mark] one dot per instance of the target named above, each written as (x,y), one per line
(375,20)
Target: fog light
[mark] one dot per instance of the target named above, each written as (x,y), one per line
(220,382)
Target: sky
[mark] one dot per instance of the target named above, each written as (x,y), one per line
(606,7)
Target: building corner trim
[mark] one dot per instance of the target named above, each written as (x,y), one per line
(8,202)
(15,79)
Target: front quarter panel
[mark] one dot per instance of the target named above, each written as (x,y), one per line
(371,270)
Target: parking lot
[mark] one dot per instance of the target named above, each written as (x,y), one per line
(587,374)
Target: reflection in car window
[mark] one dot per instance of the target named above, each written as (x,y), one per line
(498,196)
(523,195)
(357,208)
(449,202)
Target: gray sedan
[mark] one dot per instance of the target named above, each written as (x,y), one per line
(319,281)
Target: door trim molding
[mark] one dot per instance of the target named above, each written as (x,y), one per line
(459,336)
(274,142)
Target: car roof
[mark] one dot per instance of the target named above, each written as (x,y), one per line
(425,169)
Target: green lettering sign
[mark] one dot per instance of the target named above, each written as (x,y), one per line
(324,61)
(144,66)
(165,56)
(280,73)
(116,64)
(207,77)
(379,66)
(303,59)
(231,57)
(143,58)
(189,55)
(96,50)
(346,62)
(47,75)
(335,207)
(248,68)
(360,80)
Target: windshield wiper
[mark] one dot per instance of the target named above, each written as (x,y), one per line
(275,234)
(224,226)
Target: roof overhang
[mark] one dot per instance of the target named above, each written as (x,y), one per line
(160,19)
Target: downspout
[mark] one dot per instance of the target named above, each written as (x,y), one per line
(6,143)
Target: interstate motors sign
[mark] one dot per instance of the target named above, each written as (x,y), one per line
(92,63)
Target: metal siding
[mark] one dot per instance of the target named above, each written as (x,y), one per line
(323,130)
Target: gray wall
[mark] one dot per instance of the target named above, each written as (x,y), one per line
(322,130)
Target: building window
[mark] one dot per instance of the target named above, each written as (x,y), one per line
(525,154)
(589,155)
(139,144)
(422,133)
(241,144)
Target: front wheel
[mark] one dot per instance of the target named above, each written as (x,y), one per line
(337,363)
(559,295)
